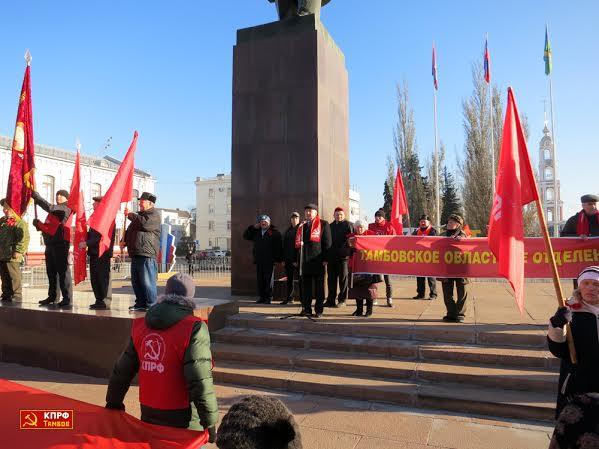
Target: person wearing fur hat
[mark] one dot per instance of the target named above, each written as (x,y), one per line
(456,310)
(337,268)
(383,227)
(57,239)
(582,312)
(576,426)
(259,422)
(425,229)
(142,239)
(363,286)
(170,349)
(266,251)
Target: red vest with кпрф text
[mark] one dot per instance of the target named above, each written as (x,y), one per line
(161,354)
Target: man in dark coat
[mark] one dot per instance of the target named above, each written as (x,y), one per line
(290,255)
(169,349)
(99,266)
(425,229)
(338,258)
(142,239)
(266,251)
(456,310)
(314,243)
(57,239)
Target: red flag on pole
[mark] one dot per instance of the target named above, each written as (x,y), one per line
(399,206)
(487,63)
(77,207)
(515,187)
(434,71)
(20,179)
(120,191)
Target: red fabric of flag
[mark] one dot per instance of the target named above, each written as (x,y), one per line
(515,187)
(77,207)
(20,179)
(120,191)
(399,205)
(487,63)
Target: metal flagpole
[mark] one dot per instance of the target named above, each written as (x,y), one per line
(493,168)
(549,64)
(436,158)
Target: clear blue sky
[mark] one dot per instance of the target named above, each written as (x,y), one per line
(106,68)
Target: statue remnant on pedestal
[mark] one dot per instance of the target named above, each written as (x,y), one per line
(295,8)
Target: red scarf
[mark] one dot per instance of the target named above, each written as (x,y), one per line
(427,231)
(583,227)
(315,232)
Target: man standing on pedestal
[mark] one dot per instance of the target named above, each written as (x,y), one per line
(337,268)
(99,266)
(313,239)
(267,251)
(57,239)
(425,229)
(383,227)
(142,240)
(290,257)
(14,240)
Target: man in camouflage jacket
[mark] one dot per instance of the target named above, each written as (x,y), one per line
(14,240)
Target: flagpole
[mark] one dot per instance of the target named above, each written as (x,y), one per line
(28,59)
(436,158)
(493,169)
(556,218)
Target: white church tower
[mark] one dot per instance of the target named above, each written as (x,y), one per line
(549,187)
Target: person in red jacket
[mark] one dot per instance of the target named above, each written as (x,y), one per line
(383,227)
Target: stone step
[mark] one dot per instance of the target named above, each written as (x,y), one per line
(522,336)
(409,349)
(446,396)
(366,365)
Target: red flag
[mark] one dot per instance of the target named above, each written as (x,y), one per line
(76,205)
(399,206)
(120,191)
(515,188)
(487,63)
(435,79)
(22,164)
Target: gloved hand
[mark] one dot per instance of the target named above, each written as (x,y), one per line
(562,317)
(35,195)
(36,222)
(212,434)
(115,406)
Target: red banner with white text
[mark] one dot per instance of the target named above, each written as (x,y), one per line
(445,257)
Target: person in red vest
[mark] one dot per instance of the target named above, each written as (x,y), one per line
(383,227)
(170,349)
(425,229)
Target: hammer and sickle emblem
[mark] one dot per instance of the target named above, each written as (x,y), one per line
(30,420)
(152,349)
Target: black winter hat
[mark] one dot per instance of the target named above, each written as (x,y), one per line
(259,422)
(380,213)
(63,193)
(180,284)
(311,206)
(148,196)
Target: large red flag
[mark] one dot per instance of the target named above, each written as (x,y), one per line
(120,191)
(77,207)
(399,206)
(22,164)
(515,187)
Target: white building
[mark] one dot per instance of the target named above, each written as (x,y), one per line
(54,171)
(354,206)
(179,220)
(213,212)
(549,187)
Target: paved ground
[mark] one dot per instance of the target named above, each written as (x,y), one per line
(330,423)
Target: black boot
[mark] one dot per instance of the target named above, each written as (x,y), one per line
(47,301)
(368,307)
(359,308)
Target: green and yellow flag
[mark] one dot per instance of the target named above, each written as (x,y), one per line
(547,54)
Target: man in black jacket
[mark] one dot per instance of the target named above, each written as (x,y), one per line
(314,246)
(338,258)
(57,238)
(99,266)
(142,240)
(290,256)
(267,252)
(425,229)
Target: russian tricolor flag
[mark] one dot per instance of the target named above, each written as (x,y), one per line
(435,80)
(487,63)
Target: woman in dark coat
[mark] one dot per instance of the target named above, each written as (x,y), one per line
(582,312)
(363,286)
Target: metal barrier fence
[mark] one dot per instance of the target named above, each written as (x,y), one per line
(35,276)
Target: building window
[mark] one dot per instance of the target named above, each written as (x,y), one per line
(210,193)
(550,215)
(211,208)
(211,225)
(47,190)
(549,194)
(547,155)
(228,225)
(548,173)
(135,201)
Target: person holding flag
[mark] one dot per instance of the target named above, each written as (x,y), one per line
(382,227)
(99,266)
(57,239)
(425,229)
(14,240)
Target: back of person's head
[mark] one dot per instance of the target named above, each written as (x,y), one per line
(577,424)
(259,422)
